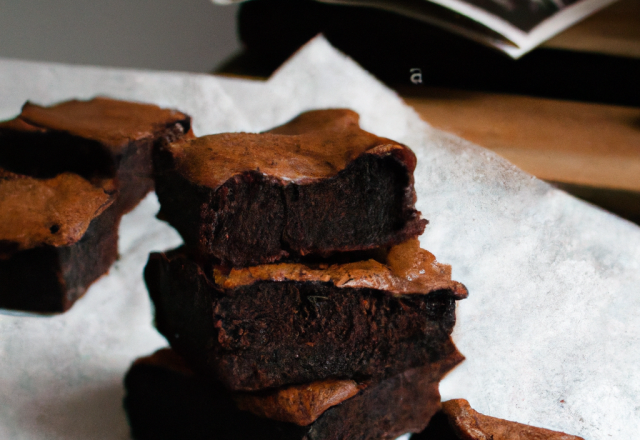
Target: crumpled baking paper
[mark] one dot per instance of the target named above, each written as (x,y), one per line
(551,328)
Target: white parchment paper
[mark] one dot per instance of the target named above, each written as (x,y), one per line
(550,329)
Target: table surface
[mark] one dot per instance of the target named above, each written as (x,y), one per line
(571,142)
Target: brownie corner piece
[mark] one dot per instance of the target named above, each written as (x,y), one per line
(457,420)
(316,185)
(285,323)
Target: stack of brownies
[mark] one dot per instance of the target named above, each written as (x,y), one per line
(301,305)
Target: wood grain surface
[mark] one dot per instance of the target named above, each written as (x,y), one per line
(570,142)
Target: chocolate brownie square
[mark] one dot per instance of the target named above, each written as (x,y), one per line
(57,236)
(289,323)
(316,185)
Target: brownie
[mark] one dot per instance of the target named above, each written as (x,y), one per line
(96,139)
(57,236)
(290,323)
(165,400)
(316,185)
(458,421)
(67,175)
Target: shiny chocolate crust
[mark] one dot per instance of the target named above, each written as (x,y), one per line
(272,332)
(458,421)
(96,139)
(299,404)
(314,146)
(166,401)
(316,185)
(54,212)
(114,124)
(406,269)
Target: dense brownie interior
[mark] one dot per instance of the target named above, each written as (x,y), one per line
(42,153)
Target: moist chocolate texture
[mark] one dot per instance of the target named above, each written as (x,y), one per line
(269,331)
(67,175)
(458,421)
(316,185)
(166,400)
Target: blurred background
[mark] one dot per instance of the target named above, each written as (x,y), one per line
(188,35)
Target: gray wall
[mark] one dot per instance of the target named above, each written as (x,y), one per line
(189,35)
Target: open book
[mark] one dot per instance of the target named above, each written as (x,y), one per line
(513,26)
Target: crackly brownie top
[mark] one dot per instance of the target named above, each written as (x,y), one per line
(299,404)
(54,211)
(315,145)
(469,424)
(408,269)
(111,122)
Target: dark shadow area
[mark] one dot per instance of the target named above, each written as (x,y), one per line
(438,429)
(390,45)
(441,94)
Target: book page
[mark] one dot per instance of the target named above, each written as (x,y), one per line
(527,23)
